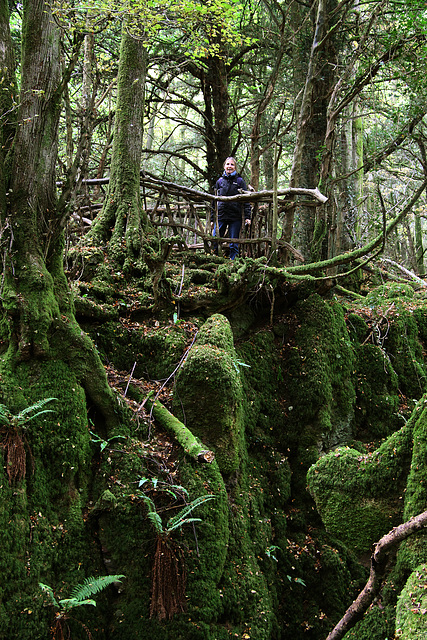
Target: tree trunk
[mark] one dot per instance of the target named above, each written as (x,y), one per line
(44,352)
(311,128)
(122,216)
(216,127)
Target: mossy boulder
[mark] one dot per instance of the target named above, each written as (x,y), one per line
(319,376)
(406,353)
(208,395)
(390,291)
(155,351)
(411,607)
(377,393)
(359,497)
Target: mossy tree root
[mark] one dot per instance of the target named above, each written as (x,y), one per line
(379,564)
(190,443)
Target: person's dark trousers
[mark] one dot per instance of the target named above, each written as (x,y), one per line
(233,232)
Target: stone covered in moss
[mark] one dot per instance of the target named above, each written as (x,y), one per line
(377,393)
(411,607)
(406,353)
(319,376)
(155,352)
(42,531)
(389,291)
(359,497)
(208,393)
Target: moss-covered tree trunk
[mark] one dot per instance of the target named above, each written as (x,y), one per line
(122,217)
(43,353)
(318,78)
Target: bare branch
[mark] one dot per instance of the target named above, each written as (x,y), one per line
(378,570)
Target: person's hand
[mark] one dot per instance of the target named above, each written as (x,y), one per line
(247,221)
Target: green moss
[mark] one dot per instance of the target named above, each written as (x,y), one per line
(377,624)
(389,291)
(377,393)
(156,352)
(208,393)
(45,538)
(357,328)
(319,371)
(415,500)
(412,607)
(405,350)
(359,497)
(216,332)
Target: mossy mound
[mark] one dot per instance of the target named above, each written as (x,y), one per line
(208,395)
(411,607)
(406,353)
(318,380)
(155,350)
(377,393)
(359,497)
(390,291)
(377,624)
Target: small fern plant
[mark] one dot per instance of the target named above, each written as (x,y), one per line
(177,521)
(169,573)
(12,437)
(8,419)
(80,595)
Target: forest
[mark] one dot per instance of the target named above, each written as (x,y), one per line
(196,447)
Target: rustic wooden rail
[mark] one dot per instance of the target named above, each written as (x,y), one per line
(177,210)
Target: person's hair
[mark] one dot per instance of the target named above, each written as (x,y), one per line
(230,158)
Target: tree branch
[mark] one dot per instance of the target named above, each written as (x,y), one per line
(378,569)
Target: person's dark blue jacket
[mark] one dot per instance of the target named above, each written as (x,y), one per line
(230,185)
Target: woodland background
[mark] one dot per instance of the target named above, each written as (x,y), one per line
(215,446)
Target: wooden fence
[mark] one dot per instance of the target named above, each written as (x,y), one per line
(185,214)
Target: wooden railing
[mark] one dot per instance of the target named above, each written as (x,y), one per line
(185,214)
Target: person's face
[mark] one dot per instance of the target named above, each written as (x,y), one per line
(229,166)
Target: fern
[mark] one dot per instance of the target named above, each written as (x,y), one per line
(5,415)
(49,591)
(91,586)
(20,419)
(181,518)
(35,407)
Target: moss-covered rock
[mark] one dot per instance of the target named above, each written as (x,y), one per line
(155,351)
(359,497)
(411,607)
(377,393)
(319,375)
(208,393)
(390,291)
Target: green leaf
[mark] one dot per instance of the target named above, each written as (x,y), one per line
(156,521)
(93,585)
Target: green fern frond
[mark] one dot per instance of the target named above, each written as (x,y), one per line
(70,603)
(49,591)
(180,519)
(91,586)
(156,521)
(23,416)
(5,415)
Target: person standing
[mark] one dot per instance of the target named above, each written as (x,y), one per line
(230,214)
